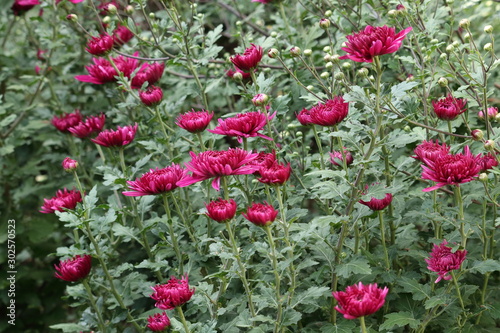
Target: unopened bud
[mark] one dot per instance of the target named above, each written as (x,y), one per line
(260,100)
(434,41)
(371,78)
(308,52)
(464,23)
(488,47)
(69,164)
(273,53)
(489,145)
(401,8)
(443,82)
(497,117)
(310,87)
(335,59)
(450,2)
(456,43)
(152,15)
(488,29)
(129,10)
(392,13)
(443,56)
(327,49)
(339,76)
(299,133)
(295,51)
(328,13)
(467,36)
(237,76)
(106,19)
(477,134)
(72,18)
(483,177)
(327,58)
(450,48)
(111,9)
(274,34)
(407,129)
(329,65)
(410,78)
(324,23)
(325,75)
(346,65)
(239,23)
(363,72)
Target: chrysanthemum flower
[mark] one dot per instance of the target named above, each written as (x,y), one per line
(337,158)
(156,181)
(378,204)
(63,199)
(158,322)
(150,73)
(360,300)
(194,121)
(249,59)
(116,138)
(221,210)
(92,124)
(331,113)
(74,269)
(21,6)
(304,117)
(66,121)
(151,96)
(261,214)
(101,45)
(487,161)
(443,261)
(492,113)
(69,164)
(264,160)
(430,150)
(275,174)
(245,76)
(122,35)
(102,71)
(244,125)
(451,169)
(216,164)
(449,108)
(172,294)
(373,41)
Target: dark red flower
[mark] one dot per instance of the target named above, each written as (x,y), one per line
(159,322)
(449,108)
(69,164)
(487,161)
(116,138)
(150,73)
(243,125)
(360,300)
(373,41)
(67,120)
(93,124)
(103,7)
(275,174)
(430,150)
(264,160)
(122,35)
(337,158)
(329,114)
(378,204)
(21,6)
(249,59)
(156,181)
(221,210)
(216,164)
(245,76)
(102,71)
(74,269)
(492,113)
(451,169)
(64,199)
(101,45)
(304,117)
(442,260)
(151,96)
(194,121)
(172,294)
(261,214)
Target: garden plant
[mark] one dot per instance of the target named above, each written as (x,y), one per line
(250,166)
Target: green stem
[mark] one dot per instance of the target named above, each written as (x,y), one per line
(100,321)
(277,286)
(382,238)
(183,319)
(202,143)
(187,224)
(459,294)
(460,215)
(122,161)
(320,148)
(175,244)
(363,325)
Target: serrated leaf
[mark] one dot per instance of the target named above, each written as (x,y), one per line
(354,266)
(345,326)
(399,91)
(309,296)
(419,291)
(91,199)
(126,232)
(70,328)
(435,301)
(486,266)
(399,319)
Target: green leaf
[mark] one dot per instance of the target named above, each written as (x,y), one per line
(399,319)
(127,232)
(70,328)
(354,266)
(344,326)
(309,296)
(419,291)
(399,91)
(91,199)
(435,301)
(486,266)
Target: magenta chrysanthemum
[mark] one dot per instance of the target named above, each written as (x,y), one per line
(121,35)
(101,45)
(329,114)
(66,121)
(244,125)
(261,214)
(116,138)
(275,174)
(151,96)
(443,261)
(249,59)
(194,121)
(159,322)
(372,42)
(74,269)
(102,71)
(216,164)
(150,73)
(451,169)
(360,300)
(449,108)
(21,6)
(156,181)
(172,294)
(64,199)
(337,158)
(92,124)
(430,150)
(221,210)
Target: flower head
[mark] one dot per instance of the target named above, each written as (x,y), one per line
(151,96)
(261,214)
(449,108)
(275,174)
(442,260)
(216,164)
(194,121)
(92,124)
(101,45)
(156,181)
(487,161)
(378,204)
(451,169)
(337,158)
(373,41)
(63,199)
(244,76)
(159,322)
(492,112)
(150,73)
(74,269)
(304,117)
(101,71)
(360,300)
(221,210)
(116,138)
(249,59)
(67,120)
(243,125)
(172,294)
(331,113)
(69,165)
(263,160)
(430,150)
(121,35)
(21,6)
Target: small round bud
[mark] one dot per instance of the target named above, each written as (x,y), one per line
(393,13)
(497,117)
(346,65)
(467,36)
(324,23)
(129,10)
(483,177)
(443,82)
(443,56)
(152,15)
(477,134)
(339,76)
(41,178)
(363,72)
(194,5)
(328,13)
(335,59)
(106,19)
(456,44)
(274,34)
(200,15)
(260,100)
(111,9)
(450,2)
(329,65)
(295,51)
(72,18)
(69,164)
(489,145)
(325,75)
(488,47)
(407,129)
(327,49)
(434,41)
(310,87)
(299,133)
(450,48)
(401,8)
(410,78)
(371,78)
(239,23)
(488,29)
(273,53)
(464,23)
(237,76)
(423,49)
(308,52)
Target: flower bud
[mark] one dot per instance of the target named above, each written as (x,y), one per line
(339,76)
(239,23)
(72,18)
(129,10)
(237,76)
(467,36)
(407,129)
(392,13)
(299,133)
(325,75)
(363,72)
(401,8)
(488,47)
(450,48)
(295,51)
(410,78)
(443,82)
(273,53)
(489,145)
(488,29)
(69,165)
(260,100)
(327,49)
(371,78)
(329,65)
(443,56)
(483,177)
(324,23)
(310,87)
(434,41)
(346,65)
(106,19)
(152,15)
(308,52)
(335,58)
(497,117)
(328,13)
(477,134)
(464,23)
(327,58)
(450,2)
(111,9)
